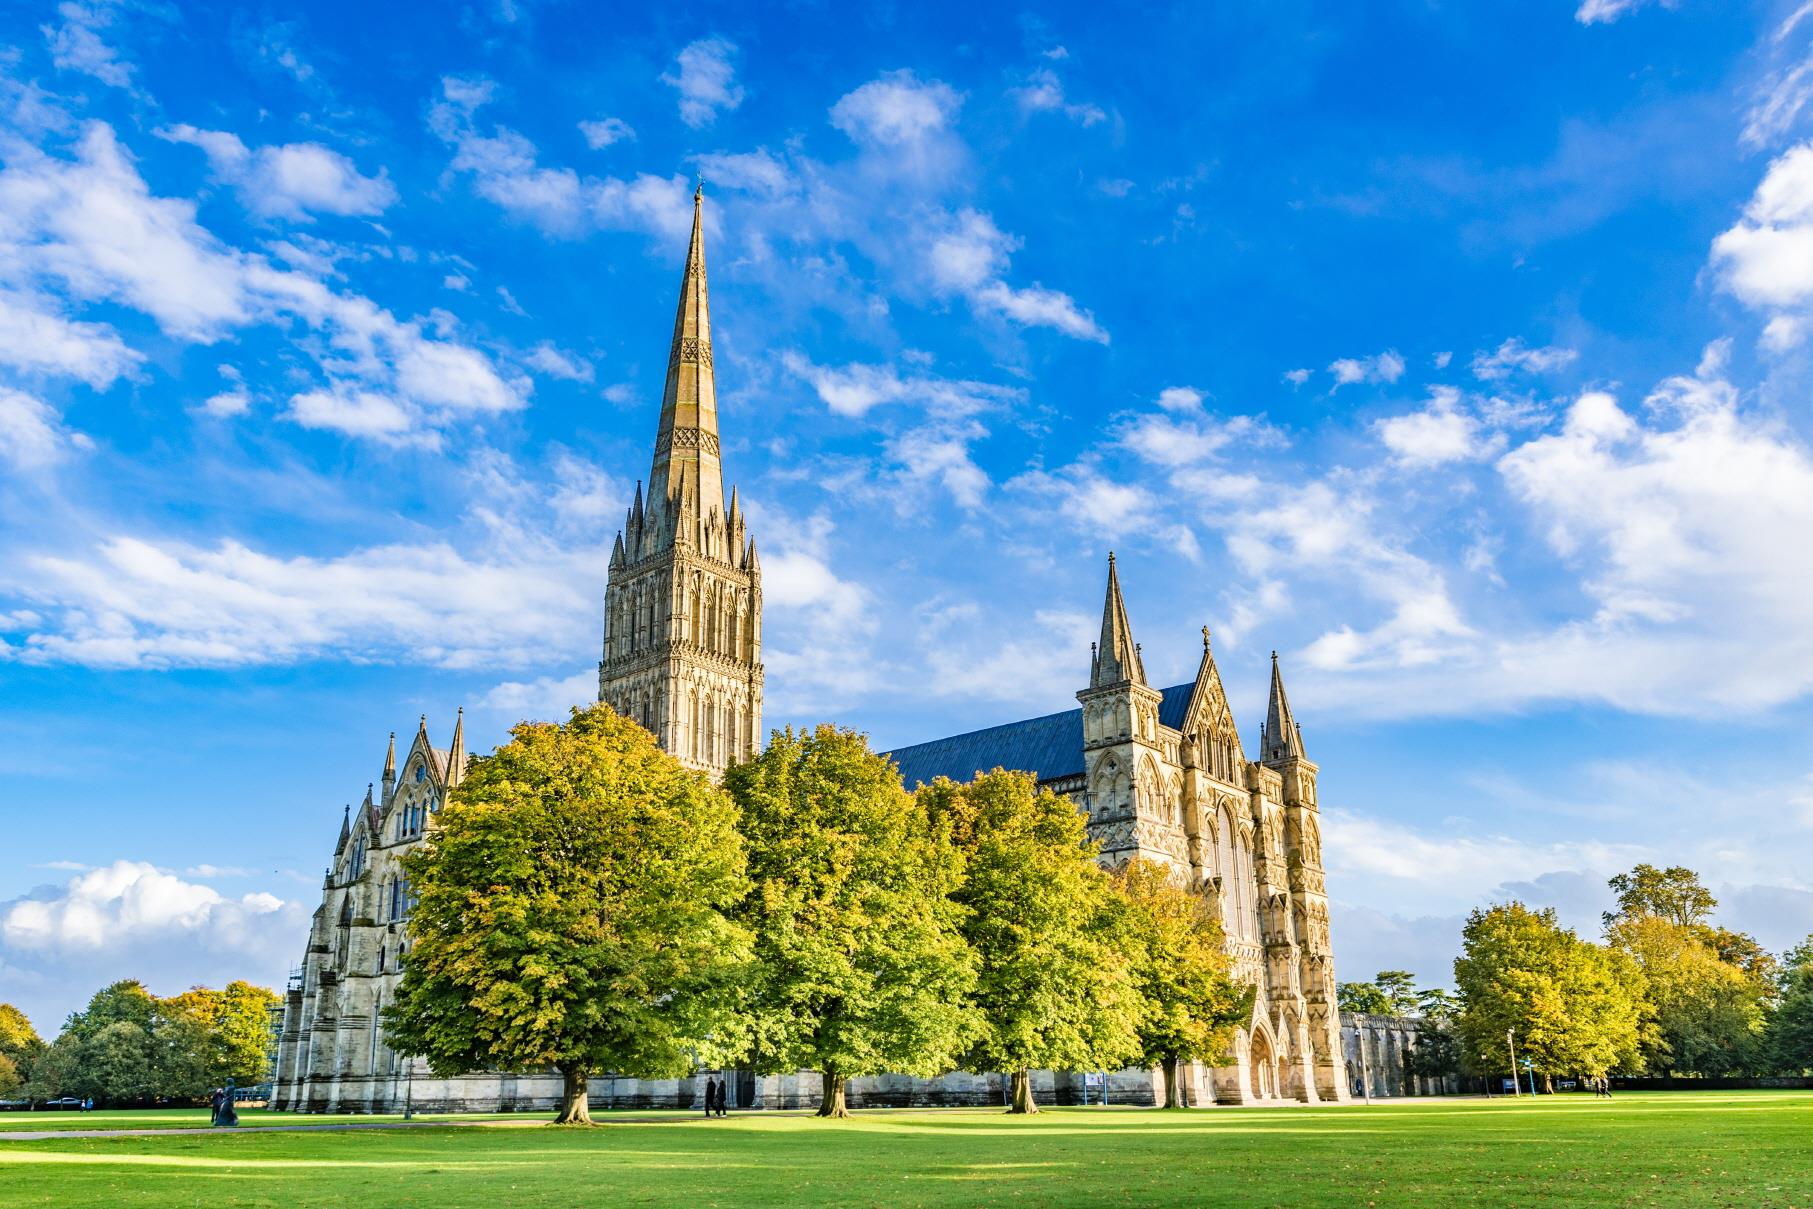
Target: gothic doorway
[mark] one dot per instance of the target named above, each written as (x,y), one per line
(1264,1067)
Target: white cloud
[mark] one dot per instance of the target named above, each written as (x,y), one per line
(558,363)
(853,390)
(896,111)
(1766,259)
(292,180)
(968,257)
(1043,92)
(817,624)
(36,340)
(751,171)
(605,131)
(130,919)
(1440,433)
(76,44)
(356,413)
(1090,499)
(92,227)
(1787,87)
(523,578)
(227,404)
(1604,12)
(544,698)
(1179,439)
(32,435)
(1387,366)
(706,81)
(1514,356)
(92,224)
(505,170)
(1035,306)
(1296,377)
(940,453)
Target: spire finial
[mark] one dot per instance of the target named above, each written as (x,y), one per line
(1117,655)
(1205,637)
(1283,738)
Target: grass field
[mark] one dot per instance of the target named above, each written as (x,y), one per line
(1733,1148)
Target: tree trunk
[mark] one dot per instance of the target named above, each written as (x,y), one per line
(1174,1097)
(831,1103)
(1023,1101)
(575,1106)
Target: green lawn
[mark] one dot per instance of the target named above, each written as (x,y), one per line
(1734,1148)
(250,1118)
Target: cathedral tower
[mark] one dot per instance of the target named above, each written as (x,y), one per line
(683,605)
(1133,801)
(1281,749)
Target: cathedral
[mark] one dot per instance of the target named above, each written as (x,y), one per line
(1160,774)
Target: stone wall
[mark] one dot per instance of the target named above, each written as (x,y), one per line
(1377,1052)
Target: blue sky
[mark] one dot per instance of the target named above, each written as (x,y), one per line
(1460,353)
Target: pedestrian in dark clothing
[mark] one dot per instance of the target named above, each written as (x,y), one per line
(711,1095)
(723,1096)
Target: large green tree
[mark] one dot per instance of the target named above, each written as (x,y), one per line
(1790,1034)
(236,1025)
(860,963)
(571,913)
(1367,997)
(1709,988)
(1171,939)
(1709,1013)
(1674,894)
(1051,989)
(20,1049)
(1576,1007)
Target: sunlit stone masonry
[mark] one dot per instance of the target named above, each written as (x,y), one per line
(1160,773)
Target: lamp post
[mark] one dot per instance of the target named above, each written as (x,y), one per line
(408,1088)
(1511,1045)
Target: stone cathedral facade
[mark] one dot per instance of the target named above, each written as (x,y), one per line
(1160,773)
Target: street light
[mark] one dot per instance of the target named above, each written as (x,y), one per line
(1511,1045)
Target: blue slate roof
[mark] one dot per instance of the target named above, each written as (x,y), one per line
(1048,747)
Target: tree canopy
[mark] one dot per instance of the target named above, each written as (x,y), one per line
(571,913)
(1790,1032)
(1367,997)
(1576,1007)
(1051,990)
(1674,894)
(1708,988)
(1171,939)
(860,962)
(1709,1014)
(130,1046)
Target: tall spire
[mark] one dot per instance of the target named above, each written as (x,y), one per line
(456,754)
(1283,741)
(390,771)
(1117,657)
(686,445)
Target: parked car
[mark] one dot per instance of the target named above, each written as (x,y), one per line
(15,1105)
(64,1102)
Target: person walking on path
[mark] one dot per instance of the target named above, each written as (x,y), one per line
(711,1095)
(723,1096)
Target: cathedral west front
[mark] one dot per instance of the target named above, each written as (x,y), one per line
(1160,774)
